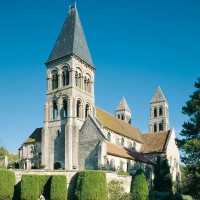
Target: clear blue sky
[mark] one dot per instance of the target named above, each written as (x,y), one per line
(135,45)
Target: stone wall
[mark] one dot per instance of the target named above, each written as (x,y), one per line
(3,161)
(71,178)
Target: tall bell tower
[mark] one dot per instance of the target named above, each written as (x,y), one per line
(69,95)
(159,114)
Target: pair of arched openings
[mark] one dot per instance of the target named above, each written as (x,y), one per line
(86,82)
(159,127)
(64,109)
(64,76)
(158,112)
(79,109)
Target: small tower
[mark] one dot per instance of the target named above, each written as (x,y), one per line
(159,114)
(123,111)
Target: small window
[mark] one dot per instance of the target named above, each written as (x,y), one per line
(65,76)
(109,137)
(118,116)
(160,126)
(122,142)
(87,109)
(112,165)
(155,127)
(54,80)
(65,108)
(58,133)
(78,109)
(160,111)
(55,110)
(155,112)
(122,117)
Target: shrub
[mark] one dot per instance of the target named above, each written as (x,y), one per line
(139,186)
(45,185)
(30,187)
(7,183)
(91,185)
(58,187)
(116,191)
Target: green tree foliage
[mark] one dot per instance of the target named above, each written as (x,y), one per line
(45,185)
(58,187)
(163,179)
(139,186)
(91,185)
(189,144)
(116,191)
(30,187)
(7,183)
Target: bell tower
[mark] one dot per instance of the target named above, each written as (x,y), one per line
(69,95)
(159,114)
(123,111)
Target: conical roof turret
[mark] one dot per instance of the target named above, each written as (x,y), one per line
(71,39)
(123,106)
(158,96)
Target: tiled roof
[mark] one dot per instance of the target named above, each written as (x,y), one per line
(71,39)
(115,150)
(117,125)
(36,136)
(158,96)
(123,105)
(154,142)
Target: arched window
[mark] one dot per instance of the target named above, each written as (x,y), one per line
(122,142)
(65,108)
(155,128)
(118,116)
(78,109)
(130,144)
(109,137)
(65,76)
(161,126)
(155,112)
(87,110)
(54,79)
(78,77)
(55,110)
(134,146)
(160,111)
(87,86)
(58,133)
(122,117)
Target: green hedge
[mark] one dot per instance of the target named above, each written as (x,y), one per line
(7,184)
(58,187)
(45,185)
(139,186)
(91,185)
(30,187)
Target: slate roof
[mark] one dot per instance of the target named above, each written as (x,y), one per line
(117,125)
(115,150)
(155,142)
(158,96)
(123,105)
(71,39)
(36,136)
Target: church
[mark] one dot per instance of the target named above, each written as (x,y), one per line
(79,135)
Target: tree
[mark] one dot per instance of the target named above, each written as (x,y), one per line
(163,179)
(139,186)
(189,144)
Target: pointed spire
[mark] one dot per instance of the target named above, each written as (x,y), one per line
(71,39)
(123,105)
(158,96)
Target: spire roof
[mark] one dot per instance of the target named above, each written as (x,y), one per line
(71,39)
(158,96)
(123,105)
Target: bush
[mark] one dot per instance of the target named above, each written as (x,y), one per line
(45,185)
(139,186)
(7,184)
(58,187)
(91,185)
(30,187)
(116,191)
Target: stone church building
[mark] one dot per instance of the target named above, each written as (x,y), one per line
(79,135)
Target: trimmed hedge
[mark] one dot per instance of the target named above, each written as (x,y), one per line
(30,187)
(45,185)
(91,185)
(7,184)
(139,186)
(58,187)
